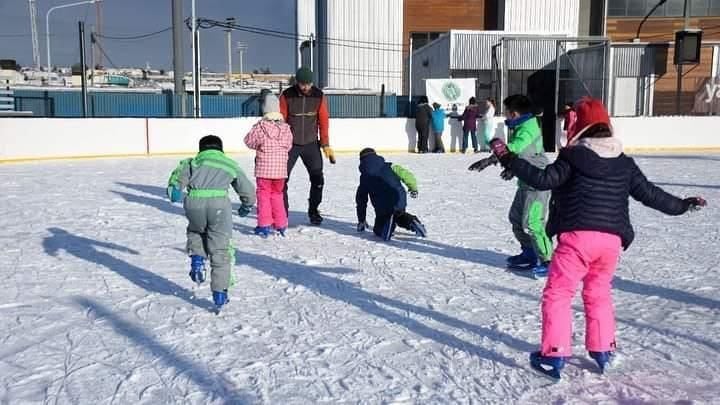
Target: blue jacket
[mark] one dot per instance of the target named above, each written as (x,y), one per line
(382,185)
(438,120)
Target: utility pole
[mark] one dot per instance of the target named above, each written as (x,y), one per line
(99,30)
(410,61)
(92,56)
(33,28)
(312,52)
(241,48)
(228,37)
(197,111)
(178,65)
(83,69)
(686,24)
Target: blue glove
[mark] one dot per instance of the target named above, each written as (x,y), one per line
(175,194)
(244,210)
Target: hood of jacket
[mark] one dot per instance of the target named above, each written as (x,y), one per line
(609,147)
(271,128)
(591,163)
(372,164)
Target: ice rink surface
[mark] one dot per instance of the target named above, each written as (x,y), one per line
(97,307)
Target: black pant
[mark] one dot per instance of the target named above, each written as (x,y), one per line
(423,135)
(312,159)
(385,223)
(439,147)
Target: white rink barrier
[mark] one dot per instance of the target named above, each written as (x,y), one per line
(54,138)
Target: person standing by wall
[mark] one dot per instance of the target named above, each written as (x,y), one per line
(438,127)
(304,108)
(423,119)
(488,120)
(469,119)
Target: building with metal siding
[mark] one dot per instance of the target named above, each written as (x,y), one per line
(543,16)
(360,44)
(304,25)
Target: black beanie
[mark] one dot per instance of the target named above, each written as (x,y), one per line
(211,142)
(366,152)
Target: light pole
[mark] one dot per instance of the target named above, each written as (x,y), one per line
(47,24)
(241,48)
(230,21)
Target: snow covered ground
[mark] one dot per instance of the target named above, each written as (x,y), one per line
(97,308)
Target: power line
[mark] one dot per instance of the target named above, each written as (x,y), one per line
(134,37)
(346,43)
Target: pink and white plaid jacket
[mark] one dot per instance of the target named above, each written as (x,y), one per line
(272,140)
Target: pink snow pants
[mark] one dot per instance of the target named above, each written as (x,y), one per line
(271,203)
(591,258)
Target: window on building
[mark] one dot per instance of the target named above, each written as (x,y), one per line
(421,39)
(672,8)
(714,8)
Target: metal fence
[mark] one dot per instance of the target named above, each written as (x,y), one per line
(68,104)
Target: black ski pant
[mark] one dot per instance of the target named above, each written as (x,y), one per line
(423,136)
(312,159)
(385,223)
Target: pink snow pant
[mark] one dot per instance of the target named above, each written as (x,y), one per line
(271,203)
(582,256)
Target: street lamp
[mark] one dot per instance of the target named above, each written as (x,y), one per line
(47,24)
(241,48)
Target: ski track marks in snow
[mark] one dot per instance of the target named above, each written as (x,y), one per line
(98,308)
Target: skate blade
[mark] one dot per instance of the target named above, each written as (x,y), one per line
(552,373)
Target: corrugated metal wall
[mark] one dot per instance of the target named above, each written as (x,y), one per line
(364,43)
(542,16)
(67,104)
(305,20)
(430,62)
(530,54)
(634,61)
(304,23)
(472,50)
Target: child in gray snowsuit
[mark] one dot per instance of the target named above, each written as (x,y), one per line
(207,177)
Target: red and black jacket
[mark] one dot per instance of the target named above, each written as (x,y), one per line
(307,115)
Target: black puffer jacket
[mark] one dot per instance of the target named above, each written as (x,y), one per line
(590,193)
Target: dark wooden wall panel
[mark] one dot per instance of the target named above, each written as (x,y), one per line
(442,16)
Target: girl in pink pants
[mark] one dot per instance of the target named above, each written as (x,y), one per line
(591,181)
(271,138)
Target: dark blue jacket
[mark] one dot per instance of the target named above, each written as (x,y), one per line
(382,185)
(590,193)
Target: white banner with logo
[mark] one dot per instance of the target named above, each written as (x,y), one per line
(451,94)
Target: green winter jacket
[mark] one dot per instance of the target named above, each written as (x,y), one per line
(526,141)
(208,175)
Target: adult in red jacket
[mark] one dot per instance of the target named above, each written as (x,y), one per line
(305,108)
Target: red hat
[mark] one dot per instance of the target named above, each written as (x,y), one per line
(590,111)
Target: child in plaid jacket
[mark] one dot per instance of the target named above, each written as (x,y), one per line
(271,138)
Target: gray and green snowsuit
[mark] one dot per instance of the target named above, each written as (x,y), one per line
(528,212)
(207,177)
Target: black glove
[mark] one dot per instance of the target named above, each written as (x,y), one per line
(244,210)
(694,203)
(507,175)
(483,164)
(413,194)
(361,226)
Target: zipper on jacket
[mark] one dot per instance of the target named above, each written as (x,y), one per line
(304,118)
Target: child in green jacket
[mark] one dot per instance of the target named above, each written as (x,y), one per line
(206,177)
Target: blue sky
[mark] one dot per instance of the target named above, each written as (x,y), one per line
(129,17)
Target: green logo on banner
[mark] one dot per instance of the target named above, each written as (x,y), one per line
(451,91)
